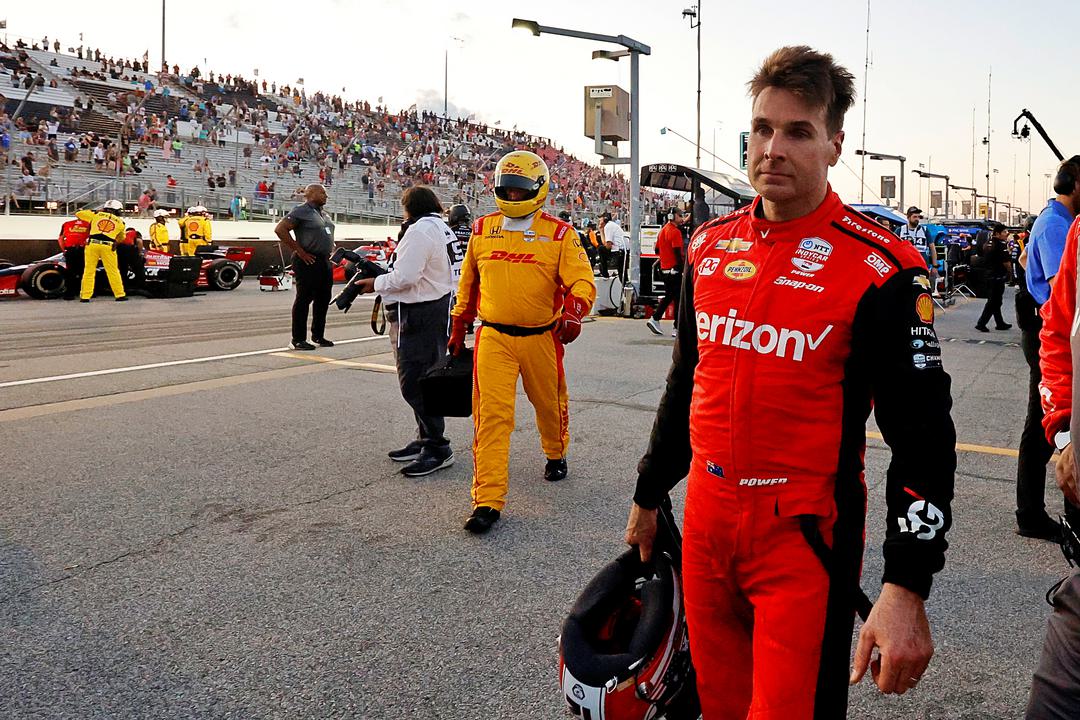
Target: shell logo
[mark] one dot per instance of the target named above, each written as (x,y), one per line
(106,226)
(193,226)
(924,308)
(740,270)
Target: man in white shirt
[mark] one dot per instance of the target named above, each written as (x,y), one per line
(616,245)
(416,294)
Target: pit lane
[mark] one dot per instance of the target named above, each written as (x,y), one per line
(225,538)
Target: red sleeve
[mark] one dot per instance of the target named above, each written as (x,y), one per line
(1055,355)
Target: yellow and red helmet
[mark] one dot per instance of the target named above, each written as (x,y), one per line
(526,171)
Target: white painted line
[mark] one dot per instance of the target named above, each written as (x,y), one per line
(377,367)
(169,363)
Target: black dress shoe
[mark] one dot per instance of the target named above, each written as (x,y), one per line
(1046,529)
(555,470)
(481,520)
(84,299)
(322,342)
(982,328)
(427,463)
(1006,326)
(301,345)
(122,298)
(408,453)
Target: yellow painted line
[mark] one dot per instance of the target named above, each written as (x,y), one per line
(376,367)
(967,447)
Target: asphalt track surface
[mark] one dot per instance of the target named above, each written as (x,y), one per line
(225,538)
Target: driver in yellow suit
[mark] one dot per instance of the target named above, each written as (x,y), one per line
(106,229)
(527,275)
(159,231)
(197,230)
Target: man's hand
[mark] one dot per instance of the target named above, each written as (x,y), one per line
(457,337)
(366,285)
(574,308)
(305,256)
(641,530)
(1065,473)
(898,628)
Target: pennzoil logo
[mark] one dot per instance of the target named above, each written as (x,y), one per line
(740,270)
(523,258)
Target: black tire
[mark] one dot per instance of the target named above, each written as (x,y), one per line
(44,281)
(224,275)
(5,264)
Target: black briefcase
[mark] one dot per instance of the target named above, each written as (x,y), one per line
(447,386)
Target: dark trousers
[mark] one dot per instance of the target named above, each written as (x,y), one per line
(993,303)
(418,334)
(617,259)
(605,258)
(130,264)
(672,286)
(314,284)
(1035,451)
(1055,691)
(75,260)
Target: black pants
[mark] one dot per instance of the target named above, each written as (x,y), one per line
(75,260)
(672,287)
(1035,451)
(130,264)
(617,259)
(314,284)
(605,258)
(1055,691)
(418,334)
(996,286)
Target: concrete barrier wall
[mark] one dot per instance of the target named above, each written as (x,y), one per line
(25,238)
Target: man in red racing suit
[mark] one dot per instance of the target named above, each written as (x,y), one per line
(1055,354)
(790,331)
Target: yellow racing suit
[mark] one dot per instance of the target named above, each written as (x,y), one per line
(196,231)
(106,230)
(159,236)
(517,281)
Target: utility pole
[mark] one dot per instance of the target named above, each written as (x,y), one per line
(162,33)
(866,74)
(694,13)
(989,86)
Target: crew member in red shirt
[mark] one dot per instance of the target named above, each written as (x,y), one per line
(72,241)
(798,316)
(669,246)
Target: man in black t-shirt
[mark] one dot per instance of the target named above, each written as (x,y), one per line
(998,269)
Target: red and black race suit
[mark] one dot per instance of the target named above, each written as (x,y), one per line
(789,334)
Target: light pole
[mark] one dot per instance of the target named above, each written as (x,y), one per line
(886,156)
(974,193)
(1046,184)
(446,78)
(634,49)
(927,175)
(694,13)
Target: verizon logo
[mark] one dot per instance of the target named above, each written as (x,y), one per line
(525,258)
(764,339)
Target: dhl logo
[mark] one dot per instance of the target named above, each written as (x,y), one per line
(523,258)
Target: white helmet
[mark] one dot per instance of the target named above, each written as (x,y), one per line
(199,209)
(161,213)
(192,210)
(113,205)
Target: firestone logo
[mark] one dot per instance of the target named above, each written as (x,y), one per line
(763,339)
(868,231)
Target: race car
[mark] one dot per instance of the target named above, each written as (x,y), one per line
(377,251)
(222,268)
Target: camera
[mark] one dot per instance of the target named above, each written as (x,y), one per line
(364,269)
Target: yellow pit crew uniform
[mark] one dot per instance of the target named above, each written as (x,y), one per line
(196,231)
(106,230)
(517,281)
(159,236)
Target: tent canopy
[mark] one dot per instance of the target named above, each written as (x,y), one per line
(668,176)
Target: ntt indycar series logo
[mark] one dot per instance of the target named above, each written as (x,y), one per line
(764,339)
(811,255)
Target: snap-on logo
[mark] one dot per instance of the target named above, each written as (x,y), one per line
(764,339)
(798,284)
(524,258)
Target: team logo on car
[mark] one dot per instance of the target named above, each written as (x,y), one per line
(924,308)
(740,270)
(811,255)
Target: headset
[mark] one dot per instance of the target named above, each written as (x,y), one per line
(1068,175)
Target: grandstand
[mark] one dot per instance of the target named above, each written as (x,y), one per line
(259,141)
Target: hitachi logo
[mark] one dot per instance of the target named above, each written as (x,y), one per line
(765,339)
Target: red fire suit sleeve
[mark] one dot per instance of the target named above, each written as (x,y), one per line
(1055,353)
